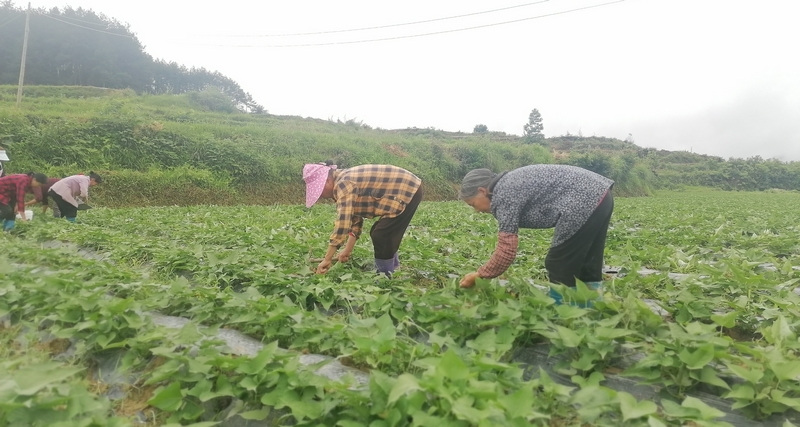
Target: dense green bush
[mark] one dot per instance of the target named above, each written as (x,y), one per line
(182,185)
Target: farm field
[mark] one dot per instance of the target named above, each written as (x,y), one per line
(415,350)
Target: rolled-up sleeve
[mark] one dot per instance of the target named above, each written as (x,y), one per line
(357,223)
(504,254)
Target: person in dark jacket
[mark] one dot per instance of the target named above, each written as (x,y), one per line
(576,202)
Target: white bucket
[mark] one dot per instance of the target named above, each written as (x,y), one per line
(28,215)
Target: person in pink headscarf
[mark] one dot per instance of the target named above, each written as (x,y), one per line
(367,191)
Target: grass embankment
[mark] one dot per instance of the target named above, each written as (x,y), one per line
(183,150)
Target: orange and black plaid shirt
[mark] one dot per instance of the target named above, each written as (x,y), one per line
(368,191)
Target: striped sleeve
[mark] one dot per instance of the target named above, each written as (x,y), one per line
(503,256)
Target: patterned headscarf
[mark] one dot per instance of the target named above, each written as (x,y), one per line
(315,175)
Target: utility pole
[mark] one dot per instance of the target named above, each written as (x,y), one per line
(24,52)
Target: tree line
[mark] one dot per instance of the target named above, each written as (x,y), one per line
(83,48)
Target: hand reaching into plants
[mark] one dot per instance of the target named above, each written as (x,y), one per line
(344,256)
(469,280)
(324,266)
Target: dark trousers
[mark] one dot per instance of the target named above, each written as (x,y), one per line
(66,208)
(387,233)
(581,256)
(7,211)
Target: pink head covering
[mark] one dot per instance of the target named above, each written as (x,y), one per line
(315,175)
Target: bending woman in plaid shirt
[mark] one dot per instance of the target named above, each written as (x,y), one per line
(12,194)
(367,191)
(576,202)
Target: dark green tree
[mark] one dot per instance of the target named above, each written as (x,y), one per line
(78,47)
(480,129)
(533,129)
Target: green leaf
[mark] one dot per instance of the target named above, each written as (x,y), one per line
(190,334)
(583,293)
(610,333)
(786,370)
(706,412)
(519,403)
(568,337)
(168,398)
(742,392)
(262,359)
(190,410)
(485,342)
(505,313)
(463,409)
(674,410)
(405,384)
(594,401)
(699,358)
(632,409)
(85,325)
(593,380)
(779,396)
(727,320)
(222,388)
(33,378)
(249,383)
(387,331)
(567,311)
(780,331)
(258,415)
(586,362)
(452,367)
(305,407)
(202,386)
(750,375)
(709,376)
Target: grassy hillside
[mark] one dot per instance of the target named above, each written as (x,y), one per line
(196,149)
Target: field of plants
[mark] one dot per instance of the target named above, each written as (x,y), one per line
(86,337)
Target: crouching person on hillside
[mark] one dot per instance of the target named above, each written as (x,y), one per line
(66,191)
(576,202)
(12,195)
(367,191)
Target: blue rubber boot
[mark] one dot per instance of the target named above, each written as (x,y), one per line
(396,260)
(8,224)
(597,287)
(556,296)
(70,218)
(385,266)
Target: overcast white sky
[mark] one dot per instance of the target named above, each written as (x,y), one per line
(719,77)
